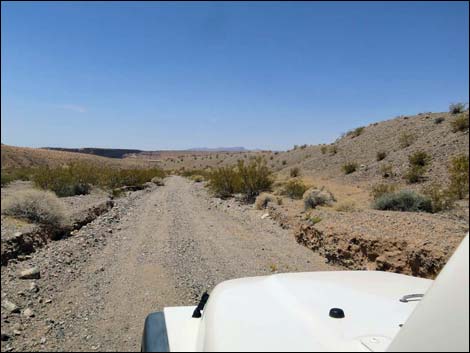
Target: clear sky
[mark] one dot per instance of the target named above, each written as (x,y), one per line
(260,75)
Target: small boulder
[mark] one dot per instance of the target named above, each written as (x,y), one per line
(28,312)
(30,273)
(10,306)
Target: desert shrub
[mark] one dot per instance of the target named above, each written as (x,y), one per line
(380,155)
(16,174)
(333,149)
(37,206)
(457,108)
(386,170)
(458,172)
(294,189)
(439,120)
(6,178)
(323,149)
(158,181)
(294,172)
(263,200)
(346,206)
(379,190)
(414,174)
(356,132)
(304,146)
(419,159)
(349,168)
(255,177)
(224,181)
(406,139)
(197,178)
(284,162)
(440,198)
(317,197)
(405,200)
(460,123)
(77,178)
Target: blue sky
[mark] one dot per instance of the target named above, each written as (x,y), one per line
(260,75)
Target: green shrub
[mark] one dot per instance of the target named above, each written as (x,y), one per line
(386,170)
(406,139)
(356,132)
(440,198)
(419,159)
(224,181)
(6,178)
(414,174)
(323,149)
(10,175)
(379,190)
(405,200)
(381,155)
(255,177)
(349,168)
(457,108)
(460,123)
(77,178)
(294,189)
(458,172)
(37,206)
(294,172)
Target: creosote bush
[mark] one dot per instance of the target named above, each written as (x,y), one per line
(406,139)
(294,189)
(460,123)
(458,172)
(247,178)
(419,159)
(294,172)
(77,178)
(405,201)
(440,197)
(457,108)
(37,206)
(379,190)
(349,168)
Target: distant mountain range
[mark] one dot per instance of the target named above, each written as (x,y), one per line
(121,153)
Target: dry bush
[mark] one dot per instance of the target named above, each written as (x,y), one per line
(294,189)
(356,132)
(414,174)
(406,139)
(350,167)
(439,120)
(346,206)
(314,197)
(42,207)
(440,197)
(457,108)
(380,155)
(333,150)
(458,171)
(405,201)
(197,178)
(379,190)
(419,159)
(263,200)
(460,123)
(323,149)
(294,172)
(386,170)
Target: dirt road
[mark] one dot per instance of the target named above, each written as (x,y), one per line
(171,246)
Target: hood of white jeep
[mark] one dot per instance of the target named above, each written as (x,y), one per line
(291,312)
